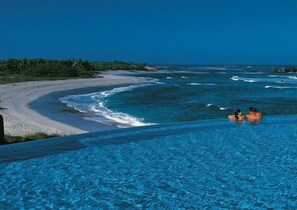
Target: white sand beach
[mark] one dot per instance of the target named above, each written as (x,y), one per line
(21,120)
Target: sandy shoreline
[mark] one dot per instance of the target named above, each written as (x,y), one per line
(21,120)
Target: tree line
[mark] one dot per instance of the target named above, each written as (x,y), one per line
(46,68)
(60,68)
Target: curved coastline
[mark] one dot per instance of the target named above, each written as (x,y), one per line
(60,112)
(21,118)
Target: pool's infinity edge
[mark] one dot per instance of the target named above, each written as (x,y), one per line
(57,145)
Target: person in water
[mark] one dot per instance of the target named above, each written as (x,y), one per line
(238,115)
(254,115)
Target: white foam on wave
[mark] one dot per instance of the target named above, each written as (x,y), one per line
(292,77)
(118,90)
(198,84)
(95,103)
(280,87)
(234,78)
(184,77)
(120,119)
(272,79)
(237,78)
(168,77)
(72,101)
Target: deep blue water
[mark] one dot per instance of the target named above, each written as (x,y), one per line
(189,93)
(212,164)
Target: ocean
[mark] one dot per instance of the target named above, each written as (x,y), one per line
(180,93)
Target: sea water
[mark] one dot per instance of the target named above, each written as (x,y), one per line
(190,92)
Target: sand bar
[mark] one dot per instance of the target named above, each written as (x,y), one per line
(21,120)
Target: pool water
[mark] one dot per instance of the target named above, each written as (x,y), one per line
(206,164)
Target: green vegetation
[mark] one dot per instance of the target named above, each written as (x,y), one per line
(19,70)
(287,69)
(118,65)
(14,70)
(16,139)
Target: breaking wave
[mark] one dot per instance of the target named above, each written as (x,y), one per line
(95,105)
(237,78)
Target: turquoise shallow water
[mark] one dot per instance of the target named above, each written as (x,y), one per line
(206,164)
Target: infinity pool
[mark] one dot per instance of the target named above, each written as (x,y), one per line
(209,164)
